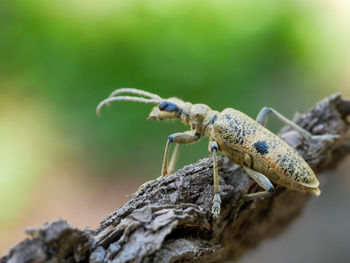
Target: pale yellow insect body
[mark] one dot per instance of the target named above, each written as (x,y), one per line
(246,142)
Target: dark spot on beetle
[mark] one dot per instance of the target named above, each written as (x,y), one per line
(214,119)
(261,147)
(228,117)
(179,112)
(289,169)
(282,160)
(297,176)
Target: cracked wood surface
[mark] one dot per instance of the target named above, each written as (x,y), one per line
(170,221)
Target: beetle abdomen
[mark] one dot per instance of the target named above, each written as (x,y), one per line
(237,135)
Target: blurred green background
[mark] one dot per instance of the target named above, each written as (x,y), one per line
(60,58)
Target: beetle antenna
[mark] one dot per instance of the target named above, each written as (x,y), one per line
(135,91)
(126,98)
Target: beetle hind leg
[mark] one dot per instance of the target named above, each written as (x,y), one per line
(265,112)
(262,181)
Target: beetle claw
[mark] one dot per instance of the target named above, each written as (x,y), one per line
(216,208)
(215,211)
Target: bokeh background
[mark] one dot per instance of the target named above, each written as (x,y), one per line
(59,58)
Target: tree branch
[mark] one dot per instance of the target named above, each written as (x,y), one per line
(171,221)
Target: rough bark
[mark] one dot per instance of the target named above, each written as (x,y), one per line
(170,221)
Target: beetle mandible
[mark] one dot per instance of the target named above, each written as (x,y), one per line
(262,154)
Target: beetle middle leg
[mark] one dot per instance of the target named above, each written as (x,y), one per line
(265,112)
(213,147)
(261,180)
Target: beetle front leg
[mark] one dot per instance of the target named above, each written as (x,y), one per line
(265,112)
(173,159)
(262,181)
(213,147)
(180,138)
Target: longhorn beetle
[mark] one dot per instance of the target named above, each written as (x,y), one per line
(262,154)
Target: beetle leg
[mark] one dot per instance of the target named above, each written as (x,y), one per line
(261,180)
(180,138)
(173,159)
(213,147)
(263,117)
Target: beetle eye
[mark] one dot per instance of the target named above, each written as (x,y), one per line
(168,106)
(163,105)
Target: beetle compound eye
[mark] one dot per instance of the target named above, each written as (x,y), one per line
(168,106)
(163,105)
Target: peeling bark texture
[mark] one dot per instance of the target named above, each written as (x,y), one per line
(170,221)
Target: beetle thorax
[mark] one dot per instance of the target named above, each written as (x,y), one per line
(196,115)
